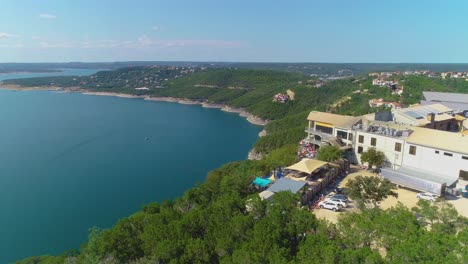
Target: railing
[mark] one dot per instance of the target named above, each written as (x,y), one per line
(319,133)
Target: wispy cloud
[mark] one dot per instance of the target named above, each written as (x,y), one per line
(4,35)
(47,16)
(142,42)
(14,46)
(156,28)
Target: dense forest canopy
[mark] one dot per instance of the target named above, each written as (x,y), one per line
(210,222)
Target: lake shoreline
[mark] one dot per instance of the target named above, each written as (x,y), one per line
(223,107)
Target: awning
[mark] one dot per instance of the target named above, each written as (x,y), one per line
(323,124)
(307,165)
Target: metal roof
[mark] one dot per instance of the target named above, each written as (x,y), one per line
(457,107)
(420,174)
(284,184)
(446,97)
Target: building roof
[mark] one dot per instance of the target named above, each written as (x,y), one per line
(419,113)
(427,176)
(457,107)
(450,141)
(446,97)
(284,184)
(333,119)
(265,195)
(307,165)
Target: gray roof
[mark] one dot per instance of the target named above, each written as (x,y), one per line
(446,97)
(421,174)
(457,107)
(284,184)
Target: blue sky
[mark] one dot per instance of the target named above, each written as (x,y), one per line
(218,30)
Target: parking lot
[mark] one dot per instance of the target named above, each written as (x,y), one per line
(405,196)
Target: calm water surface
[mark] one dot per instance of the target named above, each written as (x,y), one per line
(71,161)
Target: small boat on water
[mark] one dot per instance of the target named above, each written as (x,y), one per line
(147,138)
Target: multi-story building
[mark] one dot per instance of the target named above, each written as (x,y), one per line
(388,138)
(424,155)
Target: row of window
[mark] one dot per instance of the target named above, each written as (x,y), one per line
(373,140)
(412,149)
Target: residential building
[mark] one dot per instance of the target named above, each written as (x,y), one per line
(380,102)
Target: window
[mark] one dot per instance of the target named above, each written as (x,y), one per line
(373,141)
(412,150)
(361,139)
(464,175)
(359,150)
(448,154)
(324,129)
(350,137)
(342,134)
(436,152)
(465,157)
(398,147)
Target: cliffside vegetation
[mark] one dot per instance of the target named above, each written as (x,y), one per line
(210,222)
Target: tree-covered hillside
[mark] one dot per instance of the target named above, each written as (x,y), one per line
(210,223)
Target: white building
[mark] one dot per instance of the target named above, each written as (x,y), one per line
(423,155)
(440,152)
(385,137)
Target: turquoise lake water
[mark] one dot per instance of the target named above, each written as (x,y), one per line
(69,162)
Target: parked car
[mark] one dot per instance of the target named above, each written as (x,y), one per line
(329,205)
(337,201)
(341,197)
(427,196)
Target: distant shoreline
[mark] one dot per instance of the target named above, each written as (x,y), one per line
(223,107)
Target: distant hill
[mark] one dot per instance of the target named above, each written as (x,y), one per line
(324,70)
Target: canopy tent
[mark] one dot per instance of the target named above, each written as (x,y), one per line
(261,182)
(307,165)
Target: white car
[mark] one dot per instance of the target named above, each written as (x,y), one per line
(337,201)
(427,196)
(329,205)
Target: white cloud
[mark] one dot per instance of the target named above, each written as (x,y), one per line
(4,35)
(47,16)
(156,28)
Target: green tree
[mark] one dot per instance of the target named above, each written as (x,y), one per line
(373,157)
(370,190)
(329,153)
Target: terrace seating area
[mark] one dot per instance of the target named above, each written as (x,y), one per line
(309,177)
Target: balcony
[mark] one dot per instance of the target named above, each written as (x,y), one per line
(323,135)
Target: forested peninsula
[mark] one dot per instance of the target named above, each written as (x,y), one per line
(210,222)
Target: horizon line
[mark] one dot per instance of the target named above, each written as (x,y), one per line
(226,61)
